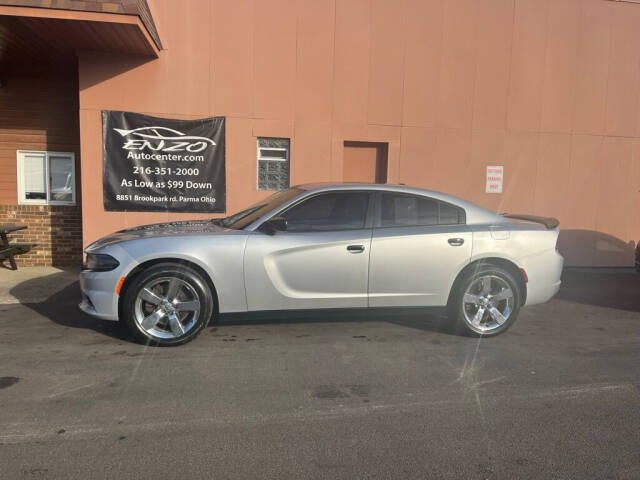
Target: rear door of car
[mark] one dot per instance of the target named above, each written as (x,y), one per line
(419,245)
(320,261)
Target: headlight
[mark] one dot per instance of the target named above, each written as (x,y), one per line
(100,262)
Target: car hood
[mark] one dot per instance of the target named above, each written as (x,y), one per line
(168,229)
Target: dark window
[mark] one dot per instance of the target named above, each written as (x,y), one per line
(398,210)
(450,215)
(330,211)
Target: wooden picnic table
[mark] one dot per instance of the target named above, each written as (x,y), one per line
(8,250)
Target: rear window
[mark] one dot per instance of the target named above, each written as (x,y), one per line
(451,215)
(398,210)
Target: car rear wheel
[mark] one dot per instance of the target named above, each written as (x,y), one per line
(167,304)
(486,303)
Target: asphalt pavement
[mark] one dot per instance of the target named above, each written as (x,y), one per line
(332,396)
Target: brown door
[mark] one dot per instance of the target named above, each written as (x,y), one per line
(365,162)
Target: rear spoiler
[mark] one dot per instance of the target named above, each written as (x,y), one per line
(548,222)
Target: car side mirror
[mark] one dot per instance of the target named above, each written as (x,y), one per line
(276,224)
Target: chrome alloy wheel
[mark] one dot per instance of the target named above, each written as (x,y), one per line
(488,303)
(167,307)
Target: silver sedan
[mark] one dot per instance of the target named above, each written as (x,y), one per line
(325,246)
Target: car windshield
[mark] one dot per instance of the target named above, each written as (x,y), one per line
(245,217)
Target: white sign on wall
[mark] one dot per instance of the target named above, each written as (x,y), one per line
(495,177)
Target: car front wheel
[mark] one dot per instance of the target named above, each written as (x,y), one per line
(167,304)
(487,302)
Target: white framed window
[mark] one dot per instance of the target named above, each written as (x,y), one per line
(273,163)
(46,178)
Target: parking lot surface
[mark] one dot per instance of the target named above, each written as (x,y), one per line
(369,396)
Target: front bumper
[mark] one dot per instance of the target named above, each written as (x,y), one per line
(99,297)
(87,307)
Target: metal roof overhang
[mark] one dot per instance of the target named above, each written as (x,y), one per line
(33,34)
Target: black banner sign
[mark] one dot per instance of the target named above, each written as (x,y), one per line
(156,164)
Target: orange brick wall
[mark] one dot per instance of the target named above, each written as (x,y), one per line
(57,231)
(549,89)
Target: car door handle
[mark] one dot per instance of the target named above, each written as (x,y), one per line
(355,248)
(456,242)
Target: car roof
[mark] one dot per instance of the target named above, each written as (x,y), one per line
(389,187)
(475,213)
(398,187)
(346,185)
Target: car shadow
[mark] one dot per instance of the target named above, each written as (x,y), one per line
(431,320)
(620,291)
(590,247)
(62,306)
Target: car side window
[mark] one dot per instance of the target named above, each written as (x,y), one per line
(398,210)
(451,215)
(329,211)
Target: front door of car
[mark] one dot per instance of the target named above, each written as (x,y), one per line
(419,245)
(321,260)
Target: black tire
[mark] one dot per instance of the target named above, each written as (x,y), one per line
(457,308)
(190,281)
